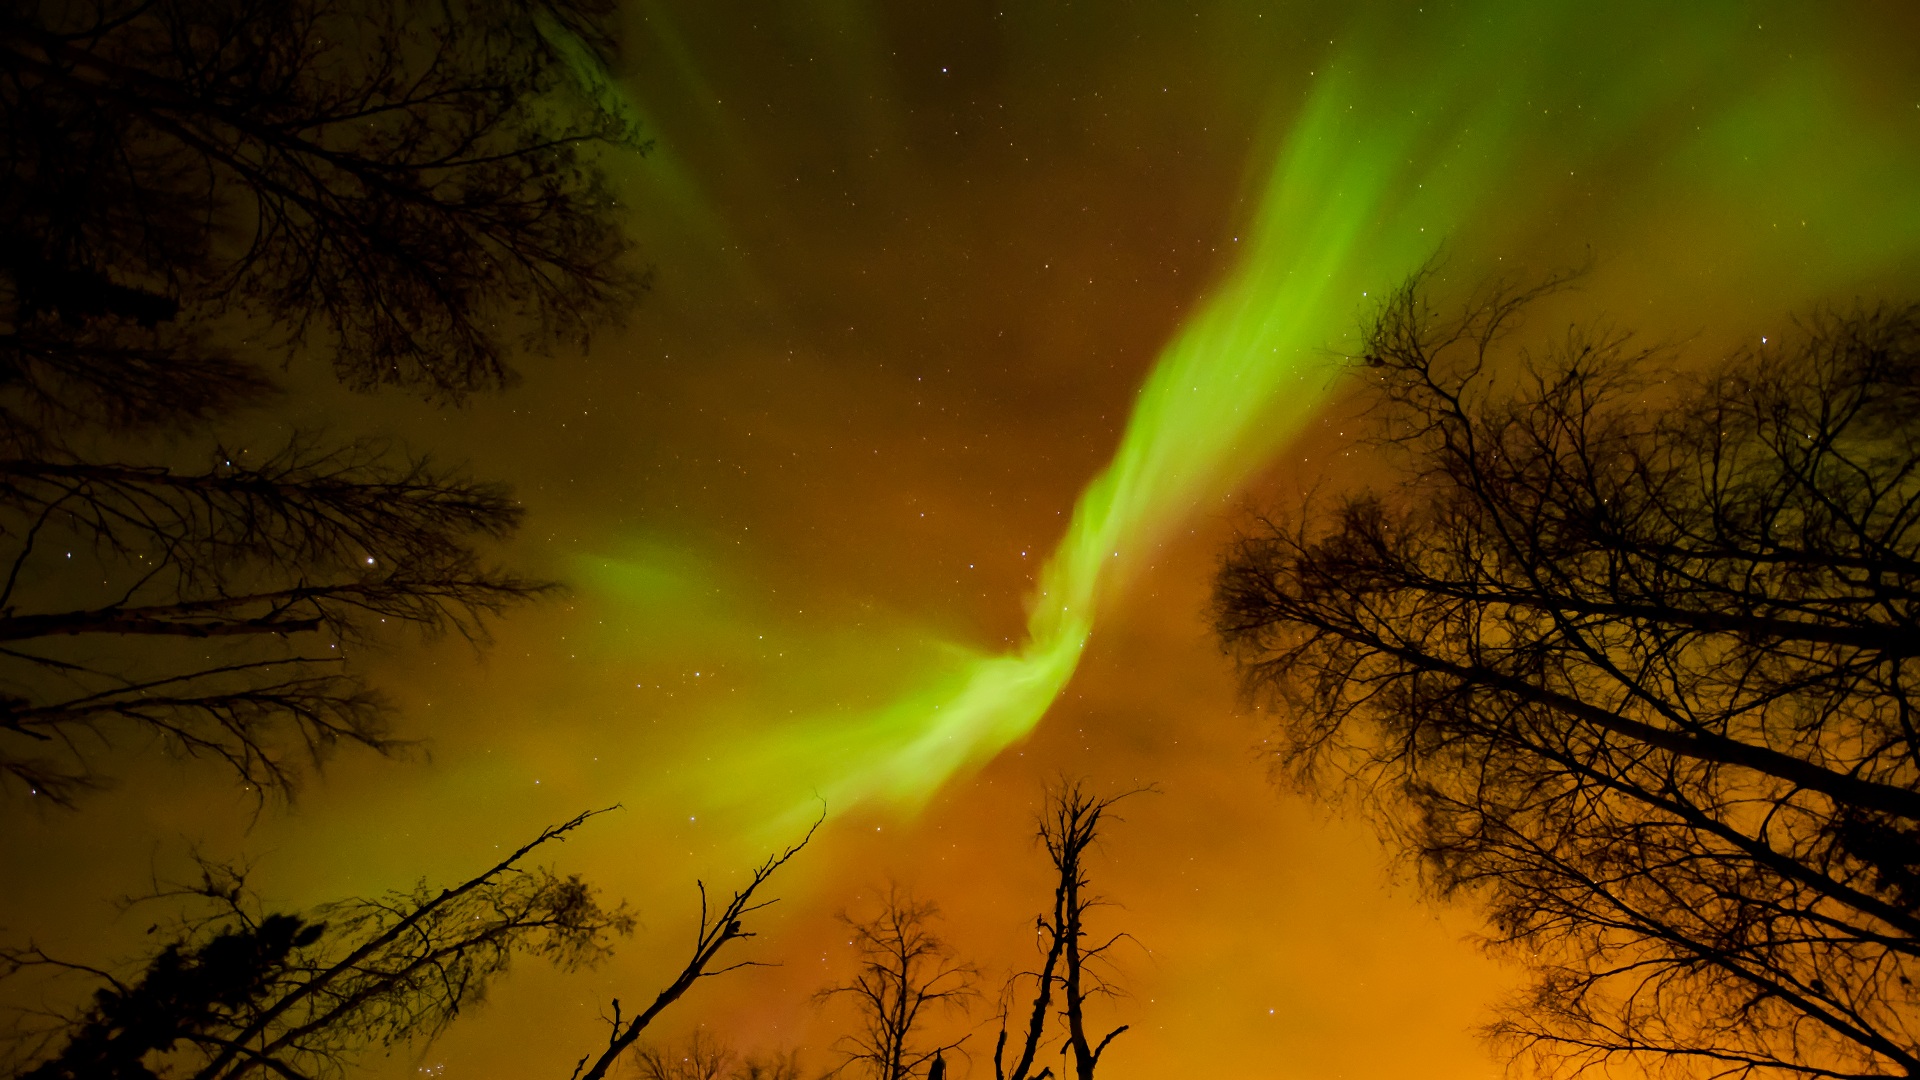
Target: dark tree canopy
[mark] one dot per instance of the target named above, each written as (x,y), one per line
(195,192)
(410,188)
(1629,659)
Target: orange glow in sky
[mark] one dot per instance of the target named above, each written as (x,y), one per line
(923,274)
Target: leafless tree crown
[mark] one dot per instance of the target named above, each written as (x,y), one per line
(908,974)
(1629,660)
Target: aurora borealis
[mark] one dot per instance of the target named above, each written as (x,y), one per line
(974,330)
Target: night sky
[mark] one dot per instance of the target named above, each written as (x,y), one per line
(975,331)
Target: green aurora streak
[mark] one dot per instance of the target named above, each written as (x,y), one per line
(1464,136)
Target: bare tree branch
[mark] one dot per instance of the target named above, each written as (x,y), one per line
(1628,661)
(715,932)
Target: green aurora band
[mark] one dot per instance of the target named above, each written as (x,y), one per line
(1462,135)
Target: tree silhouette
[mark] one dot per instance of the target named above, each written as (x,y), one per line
(194,191)
(234,595)
(410,187)
(242,994)
(1069,827)
(717,930)
(907,973)
(1628,660)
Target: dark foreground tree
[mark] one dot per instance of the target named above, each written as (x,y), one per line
(409,187)
(1072,962)
(194,192)
(1629,659)
(240,994)
(244,994)
(908,973)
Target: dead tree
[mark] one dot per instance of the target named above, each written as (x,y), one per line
(1629,661)
(1069,827)
(907,973)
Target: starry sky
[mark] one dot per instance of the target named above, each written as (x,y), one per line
(975,330)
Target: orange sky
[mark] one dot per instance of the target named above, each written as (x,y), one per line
(912,266)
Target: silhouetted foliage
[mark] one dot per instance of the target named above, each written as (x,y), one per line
(1069,827)
(907,973)
(193,191)
(1628,659)
(242,994)
(182,997)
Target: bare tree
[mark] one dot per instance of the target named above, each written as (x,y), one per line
(1628,659)
(240,993)
(193,192)
(1069,827)
(907,973)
